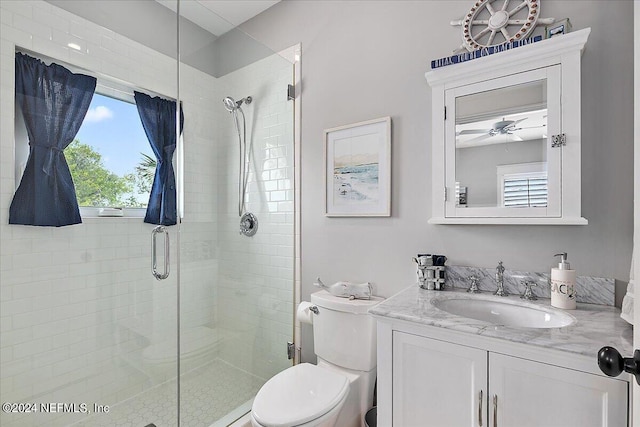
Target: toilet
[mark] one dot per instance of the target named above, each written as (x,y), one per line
(337,391)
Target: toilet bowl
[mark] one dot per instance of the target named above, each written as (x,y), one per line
(339,389)
(303,395)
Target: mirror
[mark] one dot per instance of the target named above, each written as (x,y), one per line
(501,147)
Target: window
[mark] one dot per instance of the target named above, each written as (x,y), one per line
(110,159)
(523,185)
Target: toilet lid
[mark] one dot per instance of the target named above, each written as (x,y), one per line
(298,395)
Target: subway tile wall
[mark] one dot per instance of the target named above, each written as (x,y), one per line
(78,304)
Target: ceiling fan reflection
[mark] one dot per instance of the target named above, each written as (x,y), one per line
(502,127)
(499,128)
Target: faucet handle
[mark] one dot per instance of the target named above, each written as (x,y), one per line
(473,287)
(528,292)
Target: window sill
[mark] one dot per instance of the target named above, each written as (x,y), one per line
(94,212)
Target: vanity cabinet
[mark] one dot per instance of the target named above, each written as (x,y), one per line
(442,384)
(506,137)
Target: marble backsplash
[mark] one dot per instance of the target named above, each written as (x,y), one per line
(593,290)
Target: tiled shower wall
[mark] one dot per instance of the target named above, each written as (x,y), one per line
(78,303)
(256,277)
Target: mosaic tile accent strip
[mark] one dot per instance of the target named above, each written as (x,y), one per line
(592,290)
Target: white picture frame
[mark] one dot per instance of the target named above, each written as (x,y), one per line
(357,167)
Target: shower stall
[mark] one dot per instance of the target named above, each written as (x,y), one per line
(88,335)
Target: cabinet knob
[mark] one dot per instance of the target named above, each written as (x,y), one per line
(612,363)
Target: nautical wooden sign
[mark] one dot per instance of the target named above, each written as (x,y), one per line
(485,51)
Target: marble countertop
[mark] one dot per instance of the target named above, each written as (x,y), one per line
(594,327)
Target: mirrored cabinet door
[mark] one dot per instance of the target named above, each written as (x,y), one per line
(499,159)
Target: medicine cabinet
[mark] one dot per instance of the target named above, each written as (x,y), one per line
(506,136)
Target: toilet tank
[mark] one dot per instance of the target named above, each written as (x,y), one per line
(343,332)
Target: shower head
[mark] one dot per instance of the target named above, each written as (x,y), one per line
(231,104)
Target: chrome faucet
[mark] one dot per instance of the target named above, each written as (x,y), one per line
(500,281)
(528,292)
(473,288)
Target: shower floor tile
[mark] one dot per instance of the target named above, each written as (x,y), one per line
(208,393)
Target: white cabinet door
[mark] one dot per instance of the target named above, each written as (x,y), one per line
(534,394)
(436,383)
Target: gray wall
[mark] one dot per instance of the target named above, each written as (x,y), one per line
(366,59)
(234,50)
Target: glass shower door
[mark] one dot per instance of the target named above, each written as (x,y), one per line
(89,336)
(236,289)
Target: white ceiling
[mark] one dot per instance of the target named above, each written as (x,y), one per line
(219,16)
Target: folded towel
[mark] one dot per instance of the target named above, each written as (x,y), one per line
(347,289)
(627,301)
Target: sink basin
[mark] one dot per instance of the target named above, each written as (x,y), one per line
(505,313)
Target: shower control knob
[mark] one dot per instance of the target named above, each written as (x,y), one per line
(248,224)
(613,364)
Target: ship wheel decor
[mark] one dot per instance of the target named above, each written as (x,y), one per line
(490,23)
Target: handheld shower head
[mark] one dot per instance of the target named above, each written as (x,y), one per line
(231,104)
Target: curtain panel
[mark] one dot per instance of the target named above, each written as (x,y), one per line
(158,118)
(54,102)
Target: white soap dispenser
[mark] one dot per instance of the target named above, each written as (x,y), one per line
(563,285)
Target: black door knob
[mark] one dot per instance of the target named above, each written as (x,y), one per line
(612,363)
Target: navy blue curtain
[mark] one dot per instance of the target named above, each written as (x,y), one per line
(54,102)
(158,118)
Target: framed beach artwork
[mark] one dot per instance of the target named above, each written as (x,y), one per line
(358,169)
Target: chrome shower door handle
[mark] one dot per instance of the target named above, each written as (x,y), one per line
(154,253)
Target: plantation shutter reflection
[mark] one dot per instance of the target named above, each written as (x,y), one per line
(525,192)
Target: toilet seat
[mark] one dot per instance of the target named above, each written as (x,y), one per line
(298,395)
